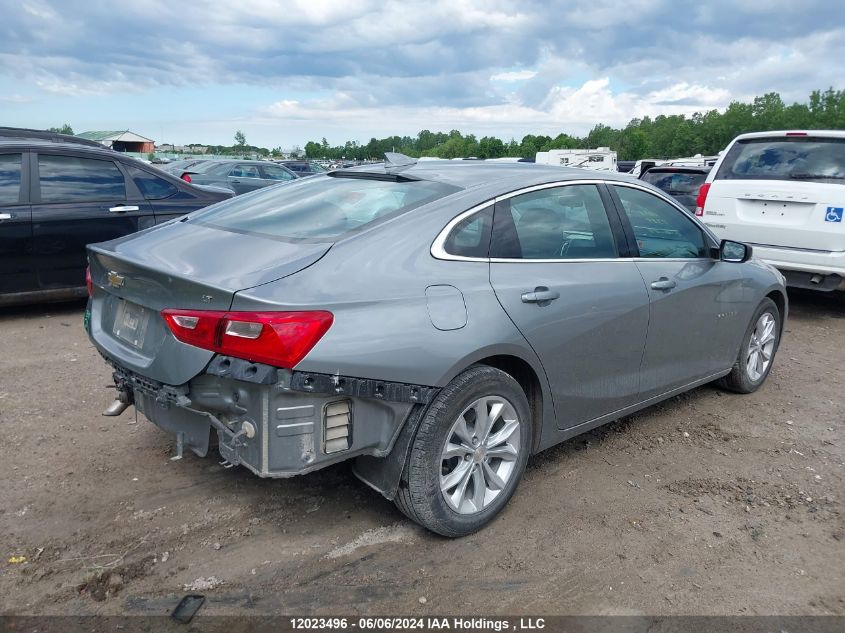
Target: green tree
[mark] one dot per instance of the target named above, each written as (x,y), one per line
(65,129)
(240,139)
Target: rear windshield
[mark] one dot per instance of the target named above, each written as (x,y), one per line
(676,183)
(320,208)
(802,158)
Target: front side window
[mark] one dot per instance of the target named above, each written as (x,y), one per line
(10,178)
(796,158)
(568,222)
(276,173)
(661,230)
(74,179)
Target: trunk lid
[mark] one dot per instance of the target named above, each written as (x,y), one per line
(775,213)
(177,265)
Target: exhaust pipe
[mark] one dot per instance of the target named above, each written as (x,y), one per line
(120,404)
(116,408)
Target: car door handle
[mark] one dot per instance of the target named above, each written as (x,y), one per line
(123,208)
(541,294)
(664,283)
(5,216)
(237,182)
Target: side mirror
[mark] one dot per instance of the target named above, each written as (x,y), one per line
(735,252)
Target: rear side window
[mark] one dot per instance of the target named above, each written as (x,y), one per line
(73,179)
(568,222)
(661,230)
(320,208)
(245,171)
(152,187)
(799,158)
(10,178)
(471,236)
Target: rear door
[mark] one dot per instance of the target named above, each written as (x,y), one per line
(17,272)
(697,303)
(786,191)
(245,178)
(79,199)
(557,271)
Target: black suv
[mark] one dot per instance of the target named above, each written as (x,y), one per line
(57,195)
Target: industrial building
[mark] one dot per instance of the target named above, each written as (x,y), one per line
(121,141)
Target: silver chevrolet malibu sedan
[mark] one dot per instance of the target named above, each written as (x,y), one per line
(437,322)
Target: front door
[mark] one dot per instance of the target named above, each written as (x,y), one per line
(696,301)
(273,174)
(78,201)
(17,273)
(556,270)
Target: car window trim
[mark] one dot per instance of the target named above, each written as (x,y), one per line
(438,250)
(629,229)
(23,186)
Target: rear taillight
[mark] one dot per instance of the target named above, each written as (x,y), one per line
(186,177)
(89,283)
(796,134)
(281,339)
(701,199)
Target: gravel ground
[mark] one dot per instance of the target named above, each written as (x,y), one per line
(710,503)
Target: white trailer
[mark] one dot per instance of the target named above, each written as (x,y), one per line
(600,159)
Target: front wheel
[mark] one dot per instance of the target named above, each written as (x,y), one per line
(757,352)
(469,453)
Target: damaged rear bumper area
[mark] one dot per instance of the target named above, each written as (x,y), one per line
(275,422)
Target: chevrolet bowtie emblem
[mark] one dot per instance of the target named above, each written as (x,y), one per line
(115,280)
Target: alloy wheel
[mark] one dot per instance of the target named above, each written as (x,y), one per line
(480,454)
(761,347)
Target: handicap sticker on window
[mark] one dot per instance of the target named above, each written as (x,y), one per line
(834,214)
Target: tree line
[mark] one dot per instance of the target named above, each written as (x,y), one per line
(659,137)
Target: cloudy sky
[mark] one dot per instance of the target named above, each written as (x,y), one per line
(290,71)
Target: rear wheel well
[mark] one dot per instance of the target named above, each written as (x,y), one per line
(527,378)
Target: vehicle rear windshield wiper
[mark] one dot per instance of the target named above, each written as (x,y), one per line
(809,176)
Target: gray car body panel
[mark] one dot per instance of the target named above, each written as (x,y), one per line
(610,346)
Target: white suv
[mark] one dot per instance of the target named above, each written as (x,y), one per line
(783,193)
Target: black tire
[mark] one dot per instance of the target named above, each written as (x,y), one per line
(738,380)
(419,496)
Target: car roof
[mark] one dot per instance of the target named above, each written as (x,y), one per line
(34,143)
(793,133)
(470,174)
(28,134)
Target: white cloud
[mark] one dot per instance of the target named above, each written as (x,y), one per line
(384,66)
(515,75)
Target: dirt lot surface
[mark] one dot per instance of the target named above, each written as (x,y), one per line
(710,503)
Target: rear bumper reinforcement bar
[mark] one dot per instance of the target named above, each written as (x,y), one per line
(361,388)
